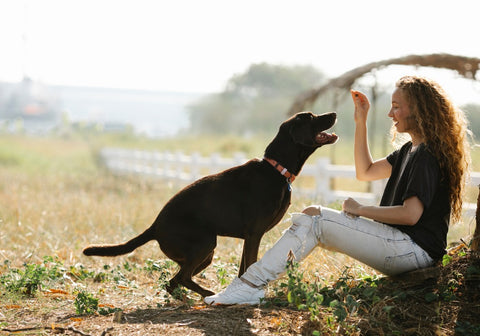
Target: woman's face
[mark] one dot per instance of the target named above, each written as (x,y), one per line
(400,112)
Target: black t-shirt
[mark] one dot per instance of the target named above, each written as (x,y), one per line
(418,174)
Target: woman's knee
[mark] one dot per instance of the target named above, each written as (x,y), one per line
(312,210)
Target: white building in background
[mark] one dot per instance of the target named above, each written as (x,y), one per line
(29,106)
(36,108)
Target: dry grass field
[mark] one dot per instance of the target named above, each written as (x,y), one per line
(55,199)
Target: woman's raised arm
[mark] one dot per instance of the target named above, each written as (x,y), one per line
(366,169)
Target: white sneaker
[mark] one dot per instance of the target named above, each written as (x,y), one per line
(238,292)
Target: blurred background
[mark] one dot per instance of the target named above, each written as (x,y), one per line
(210,77)
(162,69)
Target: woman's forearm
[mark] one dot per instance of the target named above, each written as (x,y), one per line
(362,156)
(388,214)
(408,213)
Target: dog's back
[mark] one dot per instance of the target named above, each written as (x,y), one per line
(229,203)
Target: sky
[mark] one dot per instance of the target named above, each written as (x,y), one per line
(196,46)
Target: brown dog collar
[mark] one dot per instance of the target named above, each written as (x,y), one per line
(282,170)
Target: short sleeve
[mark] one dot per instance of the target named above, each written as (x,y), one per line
(392,157)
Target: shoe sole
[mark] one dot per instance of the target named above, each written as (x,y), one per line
(213,303)
(233,304)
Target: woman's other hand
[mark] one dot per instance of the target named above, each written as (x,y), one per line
(350,207)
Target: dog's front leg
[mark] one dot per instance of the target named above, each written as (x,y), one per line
(250,252)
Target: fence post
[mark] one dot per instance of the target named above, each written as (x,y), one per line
(148,162)
(195,167)
(156,159)
(166,163)
(322,180)
(215,163)
(239,158)
(116,160)
(136,162)
(178,165)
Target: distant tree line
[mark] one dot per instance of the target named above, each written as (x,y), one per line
(254,101)
(257,101)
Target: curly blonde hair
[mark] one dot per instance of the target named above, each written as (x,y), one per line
(444,130)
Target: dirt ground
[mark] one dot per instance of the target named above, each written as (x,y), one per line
(446,303)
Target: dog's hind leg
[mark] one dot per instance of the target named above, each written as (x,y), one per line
(192,262)
(204,264)
(184,278)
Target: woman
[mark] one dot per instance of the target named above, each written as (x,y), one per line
(408,230)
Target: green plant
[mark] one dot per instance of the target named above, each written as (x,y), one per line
(30,279)
(130,267)
(467,328)
(446,259)
(222,274)
(473,272)
(80,272)
(158,266)
(85,303)
(117,275)
(345,297)
(304,296)
(107,310)
(181,294)
(163,268)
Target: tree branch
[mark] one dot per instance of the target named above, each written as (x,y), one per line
(465,66)
(72,329)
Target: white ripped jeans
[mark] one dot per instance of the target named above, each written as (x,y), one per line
(377,245)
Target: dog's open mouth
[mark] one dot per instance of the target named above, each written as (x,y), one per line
(324,138)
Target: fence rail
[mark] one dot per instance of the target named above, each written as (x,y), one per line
(188,168)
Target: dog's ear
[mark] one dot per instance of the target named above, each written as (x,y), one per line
(301,133)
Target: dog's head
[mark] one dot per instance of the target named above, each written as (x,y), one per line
(308,129)
(298,137)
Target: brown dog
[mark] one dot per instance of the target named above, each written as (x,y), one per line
(243,202)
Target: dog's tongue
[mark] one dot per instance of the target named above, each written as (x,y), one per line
(325,138)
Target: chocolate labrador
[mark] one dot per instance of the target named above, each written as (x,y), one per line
(243,202)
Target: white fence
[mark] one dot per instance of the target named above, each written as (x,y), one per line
(188,168)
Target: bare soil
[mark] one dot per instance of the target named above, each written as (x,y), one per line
(445,300)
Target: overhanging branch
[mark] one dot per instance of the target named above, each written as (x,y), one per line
(465,66)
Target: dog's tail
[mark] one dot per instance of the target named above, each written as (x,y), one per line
(115,250)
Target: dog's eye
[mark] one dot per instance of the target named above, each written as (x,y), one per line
(305,116)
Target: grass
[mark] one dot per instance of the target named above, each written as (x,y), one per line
(55,200)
